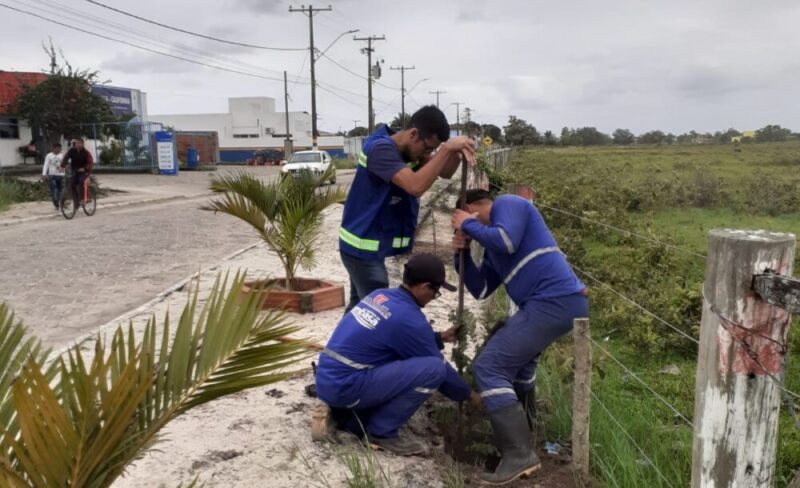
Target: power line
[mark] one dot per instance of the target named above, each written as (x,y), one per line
(340,97)
(154,51)
(630,438)
(137,35)
(178,29)
(627,370)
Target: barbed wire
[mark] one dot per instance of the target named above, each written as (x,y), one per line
(634,303)
(608,226)
(753,355)
(637,378)
(630,233)
(633,441)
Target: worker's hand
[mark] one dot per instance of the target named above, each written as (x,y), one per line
(462,145)
(449,335)
(460,241)
(44,178)
(460,216)
(475,401)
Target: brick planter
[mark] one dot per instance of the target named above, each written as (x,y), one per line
(308,295)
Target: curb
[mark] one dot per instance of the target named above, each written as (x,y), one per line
(127,316)
(11,222)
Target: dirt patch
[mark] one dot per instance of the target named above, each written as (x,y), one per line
(466,438)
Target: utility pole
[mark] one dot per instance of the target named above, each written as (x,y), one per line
(355,124)
(458,117)
(402,70)
(287,141)
(310,11)
(437,93)
(369,50)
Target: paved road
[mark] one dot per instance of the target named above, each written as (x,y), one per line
(65,278)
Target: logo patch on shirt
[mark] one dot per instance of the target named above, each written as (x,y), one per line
(395,200)
(365,318)
(377,304)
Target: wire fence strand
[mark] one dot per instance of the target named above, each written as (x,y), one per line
(617,229)
(633,441)
(650,388)
(634,303)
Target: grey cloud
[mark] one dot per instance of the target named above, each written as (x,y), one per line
(264,7)
(138,63)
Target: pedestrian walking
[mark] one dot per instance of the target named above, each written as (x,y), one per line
(53,174)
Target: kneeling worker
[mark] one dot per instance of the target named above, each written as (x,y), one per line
(383,360)
(521,253)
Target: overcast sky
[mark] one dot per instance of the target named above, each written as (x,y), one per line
(673,65)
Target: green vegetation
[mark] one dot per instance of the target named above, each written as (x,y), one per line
(13,190)
(80,419)
(286,213)
(341,163)
(674,194)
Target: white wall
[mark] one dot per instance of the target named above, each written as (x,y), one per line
(249,116)
(8,147)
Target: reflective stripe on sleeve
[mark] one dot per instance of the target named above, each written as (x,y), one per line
(527,259)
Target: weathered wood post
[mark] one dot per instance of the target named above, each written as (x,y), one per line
(581,399)
(741,354)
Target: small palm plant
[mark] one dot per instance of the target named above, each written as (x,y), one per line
(81,420)
(286,213)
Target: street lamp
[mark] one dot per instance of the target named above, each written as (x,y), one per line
(408,92)
(322,53)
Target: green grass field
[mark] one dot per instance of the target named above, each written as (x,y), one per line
(674,194)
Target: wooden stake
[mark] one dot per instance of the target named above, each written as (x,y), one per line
(581,399)
(741,355)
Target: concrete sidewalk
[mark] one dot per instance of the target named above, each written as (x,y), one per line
(135,189)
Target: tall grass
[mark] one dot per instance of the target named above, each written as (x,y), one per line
(8,193)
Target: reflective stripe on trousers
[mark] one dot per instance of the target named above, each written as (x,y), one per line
(347,362)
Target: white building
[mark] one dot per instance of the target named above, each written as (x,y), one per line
(252,124)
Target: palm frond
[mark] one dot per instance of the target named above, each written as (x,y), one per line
(16,346)
(287,212)
(106,410)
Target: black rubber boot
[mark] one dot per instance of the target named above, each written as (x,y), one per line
(514,442)
(528,401)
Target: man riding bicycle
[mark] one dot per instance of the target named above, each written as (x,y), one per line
(81,162)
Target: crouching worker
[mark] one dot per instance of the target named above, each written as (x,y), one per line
(384,360)
(520,253)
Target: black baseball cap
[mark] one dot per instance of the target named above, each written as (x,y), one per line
(426,268)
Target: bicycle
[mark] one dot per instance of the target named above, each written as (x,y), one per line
(70,201)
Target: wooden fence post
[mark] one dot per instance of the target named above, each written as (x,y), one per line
(740,358)
(581,399)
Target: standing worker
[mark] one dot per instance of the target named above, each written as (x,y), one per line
(383,360)
(521,253)
(380,215)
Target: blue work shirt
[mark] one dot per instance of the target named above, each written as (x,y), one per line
(379,217)
(386,326)
(520,252)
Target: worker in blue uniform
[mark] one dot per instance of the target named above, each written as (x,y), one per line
(520,253)
(384,360)
(380,214)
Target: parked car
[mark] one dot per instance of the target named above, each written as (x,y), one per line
(317,162)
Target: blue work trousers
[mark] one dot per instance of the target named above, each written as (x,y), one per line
(390,394)
(365,277)
(506,366)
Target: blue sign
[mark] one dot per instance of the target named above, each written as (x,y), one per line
(119,99)
(165,153)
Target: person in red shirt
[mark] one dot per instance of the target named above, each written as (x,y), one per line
(81,161)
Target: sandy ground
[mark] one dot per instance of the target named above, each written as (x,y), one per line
(261,437)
